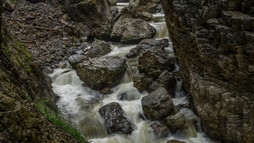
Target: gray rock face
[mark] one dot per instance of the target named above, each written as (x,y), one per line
(142,81)
(99,73)
(131,31)
(175,122)
(154,65)
(94,14)
(75,59)
(213,41)
(154,62)
(147,44)
(166,80)
(151,6)
(160,131)
(131,13)
(97,49)
(158,104)
(115,119)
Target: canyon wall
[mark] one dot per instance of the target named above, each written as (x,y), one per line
(214,44)
(21,82)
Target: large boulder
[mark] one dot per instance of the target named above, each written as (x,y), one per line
(95,14)
(131,31)
(99,73)
(175,122)
(154,62)
(147,44)
(97,49)
(115,119)
(166,80)
(75,59)
(158,105)
(142,81)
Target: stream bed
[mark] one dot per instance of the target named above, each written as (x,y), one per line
(80,104)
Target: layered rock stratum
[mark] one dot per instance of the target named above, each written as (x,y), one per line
(214,44)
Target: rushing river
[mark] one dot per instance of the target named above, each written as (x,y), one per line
(80,104)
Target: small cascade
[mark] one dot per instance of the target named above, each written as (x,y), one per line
(158,17)
(120,6)
(161,29)
(76,101)
(179,92)
(158,22)
(81,105)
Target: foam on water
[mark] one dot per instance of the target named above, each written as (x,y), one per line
(81,104)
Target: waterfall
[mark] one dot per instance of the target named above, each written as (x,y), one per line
(179,92)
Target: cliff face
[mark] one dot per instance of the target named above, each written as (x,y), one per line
(21,81)
(214,44)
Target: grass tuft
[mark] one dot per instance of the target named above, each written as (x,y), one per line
(59,120)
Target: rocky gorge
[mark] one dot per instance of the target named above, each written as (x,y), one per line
(108,71)
(213,41)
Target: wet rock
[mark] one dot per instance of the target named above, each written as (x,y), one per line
(75,59)
(131,13)
(147,44)
(151,6)
(142,116)
(154,62)
(94,14)
(157,105)
(106,91)
(98,49)
(160,131)
(175,141)
(129,95)
(115,119)
(112,2)
(9,5)
(180,106)
(142,81)
(166,80)
(115,13)
(99,73)
(146,16)
(175,122)
(131,31)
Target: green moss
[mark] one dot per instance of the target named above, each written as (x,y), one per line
(13,1)
(28,70)
(59,120)
(24,51)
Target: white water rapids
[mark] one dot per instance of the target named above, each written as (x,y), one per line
(80,104)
